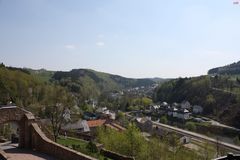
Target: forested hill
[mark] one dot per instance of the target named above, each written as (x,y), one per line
(92,83)
(232,69)
(219,96)
(20,87)
(83,83)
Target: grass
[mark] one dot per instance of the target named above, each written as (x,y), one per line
(69,141)
(80,146)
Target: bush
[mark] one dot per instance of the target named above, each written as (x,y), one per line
(164,120)
(190,126)
(92,147)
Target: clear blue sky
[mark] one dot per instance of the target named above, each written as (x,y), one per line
(133,38)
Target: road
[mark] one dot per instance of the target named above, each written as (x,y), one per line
(231,147)
(15,153)
(228,146)
(215,123)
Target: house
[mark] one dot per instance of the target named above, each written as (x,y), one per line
(67,115)
(104,112)
(154,108)
(101,109)
(175,105)
(185,105)
(109,114)
(159,131)
(197,109)
(145,124)
(164,104)
(163,109)
(89,116)
(173,112)
(185,140)
(183,114)
(79,126)
(94,124)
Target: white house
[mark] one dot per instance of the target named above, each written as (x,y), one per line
(185,140)
(154,108)
(110,114)
(175,104)
(164,104)
(183,114)
(197,109)
(172,112)
(79,126)
(101,109)
(67,115)
(185,105)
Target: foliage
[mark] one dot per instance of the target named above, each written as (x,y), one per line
(190,126)
(132,143)
(42,74)
(88,148)
(87,84)
(236,140)
(21,88)
(164,120)
(233,68)
(5,131)
(57,103)
(219,96)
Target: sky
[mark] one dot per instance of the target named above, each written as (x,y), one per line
(132,38)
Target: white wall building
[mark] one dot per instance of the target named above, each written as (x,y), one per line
(197,109)
(185,105)
(183,114)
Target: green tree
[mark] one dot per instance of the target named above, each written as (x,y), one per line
(164,120)
(190,126)
(175,145)
(58,102)
(236,140)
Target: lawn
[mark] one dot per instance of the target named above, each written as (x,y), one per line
(82,146)
(69,142)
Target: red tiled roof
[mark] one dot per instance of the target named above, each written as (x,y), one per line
(96,123)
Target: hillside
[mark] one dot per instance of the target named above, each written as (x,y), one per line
(41,74)
(90,83)
(218,95)
(20,87)
(232,69)
(31,91)
(85,84)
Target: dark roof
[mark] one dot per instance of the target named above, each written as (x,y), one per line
(230,156)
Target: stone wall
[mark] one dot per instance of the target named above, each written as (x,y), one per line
(3,155)
(42,144)
(31,136)
(11,113)
(14,114)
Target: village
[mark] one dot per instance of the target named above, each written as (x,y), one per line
(86,126)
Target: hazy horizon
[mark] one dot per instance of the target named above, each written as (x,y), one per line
(135,39)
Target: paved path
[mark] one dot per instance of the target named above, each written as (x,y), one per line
(15,153)
(19,154)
